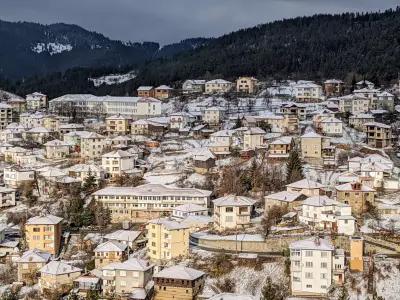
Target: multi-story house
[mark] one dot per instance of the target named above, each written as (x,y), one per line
(323,213)
(221,142)
(82,172)
(109,252)
(92,145)
(163,92)
(306,187)
(8,197)
(129,278)
(6,115)
(37,134)
(180,120)
(185,210)
(71,127)
(58,276)
(385,101)
(191,86)
(354,104)
(218,86)
(253,138)
(131,238)
(178,282)
(357,195)
(358,121)
(57,149)
(285,199)
(379,135)
(44,233)
(295,109)
(16,176)
(247,85)
(148,201)
(214,115)
(118,125)
(332,126)
(333,87)
(233,211)
(118,162)
(317,148)
(315,266)
(167,239)
(146,91)
(30,263)
(36,101)
(308,92)
(52,123)
(281,147)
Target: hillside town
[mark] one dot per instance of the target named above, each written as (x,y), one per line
(216,189)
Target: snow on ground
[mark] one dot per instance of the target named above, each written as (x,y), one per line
(52,48)
(388,279)
(167,179)
(113,79)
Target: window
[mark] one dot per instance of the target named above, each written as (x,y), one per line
(323,276)
(36,229)
(309,286)
(309,275)
(309,253)
(229,209)
(122,273)
(309,264)
(122,283)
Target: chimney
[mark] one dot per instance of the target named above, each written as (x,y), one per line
(317,241)
(356,186)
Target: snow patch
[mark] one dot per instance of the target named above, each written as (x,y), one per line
(112,79)
(51,48)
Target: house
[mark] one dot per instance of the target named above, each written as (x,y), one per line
(6,115)
(323,213)
(167,239)
(52,123)
(378,135)
(191,86)
(214,115)
(109,252)
(307,91)
(178,282)
(57,149)
(358,121)
(86,284)
(44,233)
(295,109)
(332,126)
(385,101)
(281,147)
(354,104)
(8,197)
(36,101)
(356,254)
(118,162)
(58,276)
(37,134)
(185,210)
(131,279)
(306,187)
(146,91)
(130,238)
(92,145)
(315,265)
(203,162)
(118,125)
(71,127)
(180,120)
(365,83)
(316,148)
(288,200)
(16,176)
(218,86)
(82,172)
(221,142)
(163,92)
(253,138)
(148,201)
(232,211)
(246,85)
(357,195)
(30,263)
(333,87)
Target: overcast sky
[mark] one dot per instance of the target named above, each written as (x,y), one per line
(168,21)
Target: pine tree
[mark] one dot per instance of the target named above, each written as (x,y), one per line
(344,294)
(294,169)
(272,291)
(90,182)
(238,123)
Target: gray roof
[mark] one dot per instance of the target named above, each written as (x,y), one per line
(44,220)
(179,272)
(34,256)
(58,268)
(234,200)
(132,264)
(110,246)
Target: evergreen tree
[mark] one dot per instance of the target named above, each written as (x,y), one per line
(272,291)
(238,123)
(294,168)
(344,294)
(90,182)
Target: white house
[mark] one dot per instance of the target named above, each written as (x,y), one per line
(332,126)
(214,115)
(193,86)
(36,101)
(118,162)
(307,91)
(218,86)
(185,210)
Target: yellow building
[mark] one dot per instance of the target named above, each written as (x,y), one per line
(356,254)
(57,276)
(117,125)
(145,91)
(44,233)
(178,283)
(163,92)
(29,264)
(167,239)
(110,252)
(356,195)
(378,135)
(246,85)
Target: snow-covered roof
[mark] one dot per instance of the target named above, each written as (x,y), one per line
(117,154)
(132,264)
(34,256)
(123,235)
(164,87)
(284,196)
(58,268)
(110,246)
(348,187)
(57,143)
(254,130)
(234,200)
(376,124)
(284,140)
(362,116)
(44,220)
(331,120)
(179,272)
(333,81)
(190,207)
(306,184)
(313,243)
(322,201)
(218,81)
(145,88)
(39,130)
(311,134)
(231,296)
(168,223)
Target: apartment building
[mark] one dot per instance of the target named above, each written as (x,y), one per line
(128,279)
(181,120)
(218,86)
(246,85)
(316,148)
(30,263)
(333,87)
(295,109)
(332,126)
(163,92)
(36,101)
(118,162)
(385,101)
(148,201)
(57,149)
(44,233)
(233,211)
(6,115)
(92,145)
(16,176)
(358,121)
(356,195)
(178,282)
(253,138)
(109,252)
(167,239)
(354,104)
(315,266)
(214,115)
(194,86)
(379,135)
(146,91)
(118,125)
(306,91)
(8,197)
